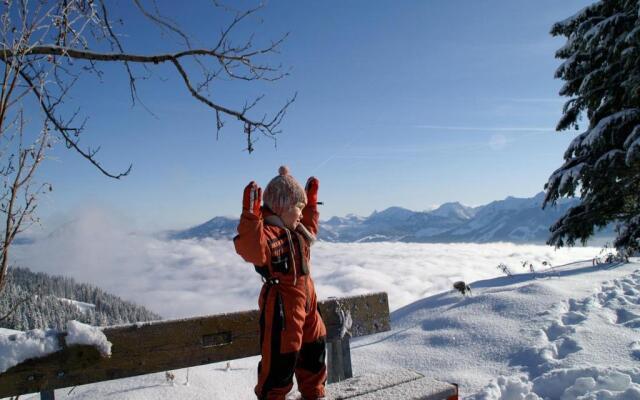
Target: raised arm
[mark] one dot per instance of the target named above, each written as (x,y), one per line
(310,214)
(251,243)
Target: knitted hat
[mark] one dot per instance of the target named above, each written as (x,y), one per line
(283,192)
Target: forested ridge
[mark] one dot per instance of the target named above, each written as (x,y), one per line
(42,301)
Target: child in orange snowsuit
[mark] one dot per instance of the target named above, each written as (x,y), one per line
(277,239)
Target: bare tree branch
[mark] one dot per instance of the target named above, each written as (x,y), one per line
(47,46)
(65,131)
(8,53)
(162,22)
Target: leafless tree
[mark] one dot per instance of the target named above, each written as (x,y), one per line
(47,45)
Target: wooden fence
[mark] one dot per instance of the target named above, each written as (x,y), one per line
(145,348)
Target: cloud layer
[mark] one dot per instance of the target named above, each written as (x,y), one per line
(197,277)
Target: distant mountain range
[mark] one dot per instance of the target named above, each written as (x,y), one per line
(518,220)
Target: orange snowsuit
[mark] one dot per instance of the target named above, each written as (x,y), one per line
(292,334)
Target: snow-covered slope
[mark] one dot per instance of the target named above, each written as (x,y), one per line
(80,305)
(571,332)
(558,334)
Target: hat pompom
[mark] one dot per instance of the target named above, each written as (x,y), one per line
(283,192)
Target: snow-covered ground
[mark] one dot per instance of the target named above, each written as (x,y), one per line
(80,305)
(562,334)
(567,333)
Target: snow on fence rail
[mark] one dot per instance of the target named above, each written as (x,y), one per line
(149,347)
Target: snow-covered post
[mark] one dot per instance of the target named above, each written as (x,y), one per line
(19,347)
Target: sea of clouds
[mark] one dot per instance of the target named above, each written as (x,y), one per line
(198,277)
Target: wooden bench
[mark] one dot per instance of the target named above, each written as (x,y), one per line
(393,384)
(145,348)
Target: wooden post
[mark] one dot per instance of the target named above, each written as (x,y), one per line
(47,395)
(339,360)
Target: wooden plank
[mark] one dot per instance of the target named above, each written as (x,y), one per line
(145,348)
(397,384)
(420,389)
(370,382)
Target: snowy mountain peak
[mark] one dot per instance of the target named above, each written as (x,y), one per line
(455,210)
(348,219)
(391,213)
(217,228)
(515,203)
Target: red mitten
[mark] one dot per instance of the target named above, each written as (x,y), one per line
(252,198)
(312,186)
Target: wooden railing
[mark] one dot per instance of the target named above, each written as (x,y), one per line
(145,348)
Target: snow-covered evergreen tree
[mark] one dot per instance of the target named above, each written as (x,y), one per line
(42,301)
(601,70)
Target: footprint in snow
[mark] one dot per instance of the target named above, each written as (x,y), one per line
(556,330)
(606,293)
(580,306)
(560,345)
(620,295)
(625,316)
(626,301)
(635,350)
(565,347)
(623,297)
(573,318)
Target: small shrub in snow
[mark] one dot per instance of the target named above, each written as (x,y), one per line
(606,256)
(527,265)
(504,268)
(170,377)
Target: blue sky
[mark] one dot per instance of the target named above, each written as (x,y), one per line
(404,103)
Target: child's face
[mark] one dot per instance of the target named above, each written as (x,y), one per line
(292,216)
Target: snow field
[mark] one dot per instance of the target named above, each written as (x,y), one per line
(81,306)
(586,349)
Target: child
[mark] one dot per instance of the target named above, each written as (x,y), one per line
(277,239)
